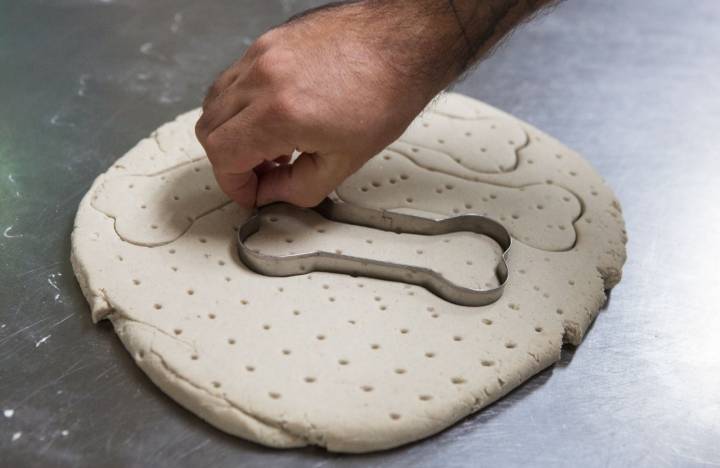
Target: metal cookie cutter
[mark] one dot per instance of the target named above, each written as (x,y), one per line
(298,264)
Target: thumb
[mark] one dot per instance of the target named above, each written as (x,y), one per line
(305,182)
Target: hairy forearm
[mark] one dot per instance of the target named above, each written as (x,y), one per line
(457,33)
(434,41)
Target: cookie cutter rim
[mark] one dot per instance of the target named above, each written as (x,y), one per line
(434,281)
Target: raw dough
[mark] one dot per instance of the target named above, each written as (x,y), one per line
(351,364)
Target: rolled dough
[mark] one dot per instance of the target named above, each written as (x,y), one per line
(350,364)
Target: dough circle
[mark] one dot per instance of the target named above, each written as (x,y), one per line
(350,364)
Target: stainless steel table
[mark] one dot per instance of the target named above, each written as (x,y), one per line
(633,85)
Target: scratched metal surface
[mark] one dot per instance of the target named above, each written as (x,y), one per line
(631,84)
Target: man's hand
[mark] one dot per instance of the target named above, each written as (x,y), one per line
(338,85)
(317,85)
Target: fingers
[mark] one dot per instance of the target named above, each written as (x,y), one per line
(238,150)
(305,182)
(243,142)
(241,188)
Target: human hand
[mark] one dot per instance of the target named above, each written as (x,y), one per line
(338,84)
(324,84)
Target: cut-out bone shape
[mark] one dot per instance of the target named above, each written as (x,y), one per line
(451,257)
(486,145)
(157,209)
(539,215)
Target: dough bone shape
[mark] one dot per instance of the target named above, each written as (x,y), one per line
(350,364)
(540,215)
(480,144)
(156,209)
(282,240)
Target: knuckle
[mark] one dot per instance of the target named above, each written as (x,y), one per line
(282,105)
(272,63)
(201,129)
(212,91)
(214,143)
(264,67)
(262,43)
(285,107)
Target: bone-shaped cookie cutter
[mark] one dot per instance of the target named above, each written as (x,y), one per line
(298,264)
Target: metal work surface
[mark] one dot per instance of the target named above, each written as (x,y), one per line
(299,264)
(631,84)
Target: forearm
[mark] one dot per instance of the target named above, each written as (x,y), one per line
(437,40)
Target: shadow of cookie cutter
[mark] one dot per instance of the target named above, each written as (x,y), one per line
(299,264)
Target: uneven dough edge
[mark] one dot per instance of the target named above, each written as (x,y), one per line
(95,297)
(138,339)
(611,262)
